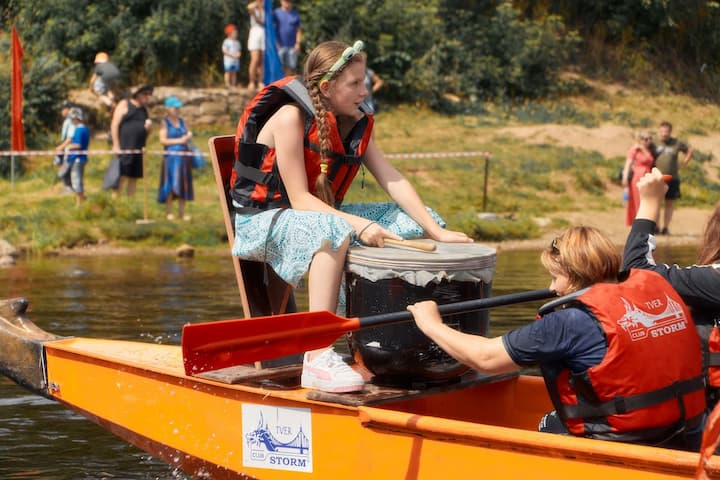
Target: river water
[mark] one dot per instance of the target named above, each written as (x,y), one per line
(148,299)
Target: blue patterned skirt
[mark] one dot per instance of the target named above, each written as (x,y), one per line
(298,234)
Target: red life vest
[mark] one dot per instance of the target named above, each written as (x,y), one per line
(710,319)
(714,357)
(256,182)
(650,381)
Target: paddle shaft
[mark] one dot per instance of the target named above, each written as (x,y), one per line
(214,345)
(466,306)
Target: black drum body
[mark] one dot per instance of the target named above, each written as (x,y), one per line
(389,279)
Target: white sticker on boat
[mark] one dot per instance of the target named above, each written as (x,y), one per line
(277,438)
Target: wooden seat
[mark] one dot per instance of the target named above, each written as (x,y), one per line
(258,299)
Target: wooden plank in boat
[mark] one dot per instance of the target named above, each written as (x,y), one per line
(276,377)
(288,378)
(376,394)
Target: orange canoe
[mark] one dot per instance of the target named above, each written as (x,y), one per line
(247,423)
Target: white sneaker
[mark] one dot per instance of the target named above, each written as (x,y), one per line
(329,373)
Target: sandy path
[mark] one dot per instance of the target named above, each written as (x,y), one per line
(686,228)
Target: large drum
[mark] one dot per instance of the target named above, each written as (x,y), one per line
(381,280)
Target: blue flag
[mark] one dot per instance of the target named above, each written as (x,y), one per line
(272,67)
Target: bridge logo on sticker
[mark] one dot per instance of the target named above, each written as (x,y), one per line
(277,438)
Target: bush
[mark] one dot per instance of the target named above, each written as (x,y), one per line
(498,229)
(493,54)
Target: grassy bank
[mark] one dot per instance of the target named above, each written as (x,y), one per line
(527,177)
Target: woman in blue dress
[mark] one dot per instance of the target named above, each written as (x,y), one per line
(176,172)
(300,143)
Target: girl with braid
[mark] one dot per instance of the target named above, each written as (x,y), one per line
(299,145)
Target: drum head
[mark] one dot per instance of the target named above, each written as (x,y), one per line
(465,262)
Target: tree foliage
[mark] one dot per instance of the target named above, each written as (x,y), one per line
(426,50)
(154,40)
(666,43)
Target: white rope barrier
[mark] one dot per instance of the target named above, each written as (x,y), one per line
(42,153)
(438,155)
(46,153)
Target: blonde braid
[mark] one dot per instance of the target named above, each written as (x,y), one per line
(323,189)
(317,66)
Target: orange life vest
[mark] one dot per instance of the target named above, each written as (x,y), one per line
(713,354)
(256,182)
(650,382)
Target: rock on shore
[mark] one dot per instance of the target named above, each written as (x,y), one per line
(202,106)
(8,253)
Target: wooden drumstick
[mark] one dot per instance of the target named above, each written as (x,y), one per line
(428,247)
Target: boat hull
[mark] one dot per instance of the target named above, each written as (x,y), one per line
(139,392)
(218,430)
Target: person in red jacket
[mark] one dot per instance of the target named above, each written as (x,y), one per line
(299,145)
(595,351)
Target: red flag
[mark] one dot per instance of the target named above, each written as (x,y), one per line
(17,133)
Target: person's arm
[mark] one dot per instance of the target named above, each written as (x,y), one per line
(162,135)
(254,11)
(377,83)
(64,144)
(688,157)
(93,77)
(405,195)
(120,111)
(640,244)
(298,39)
(79,139)
(165,141)
(627,167)
(287,127)
(652,190)
(486,355)
(225,48)
(699,286)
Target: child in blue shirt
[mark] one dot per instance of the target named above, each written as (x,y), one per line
(80,142)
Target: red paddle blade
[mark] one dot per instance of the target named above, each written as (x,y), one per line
(214,345)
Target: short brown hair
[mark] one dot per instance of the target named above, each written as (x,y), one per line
(710,249)
(585,255)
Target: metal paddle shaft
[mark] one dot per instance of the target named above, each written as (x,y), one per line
(466,306)
(215,345)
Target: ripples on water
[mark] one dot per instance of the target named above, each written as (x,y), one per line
(148,299)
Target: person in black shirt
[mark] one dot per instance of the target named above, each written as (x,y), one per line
(129,127)
(699,284)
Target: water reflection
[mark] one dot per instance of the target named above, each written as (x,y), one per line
(149,299)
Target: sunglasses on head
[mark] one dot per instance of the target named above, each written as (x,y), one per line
(346,56)
(553,246)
